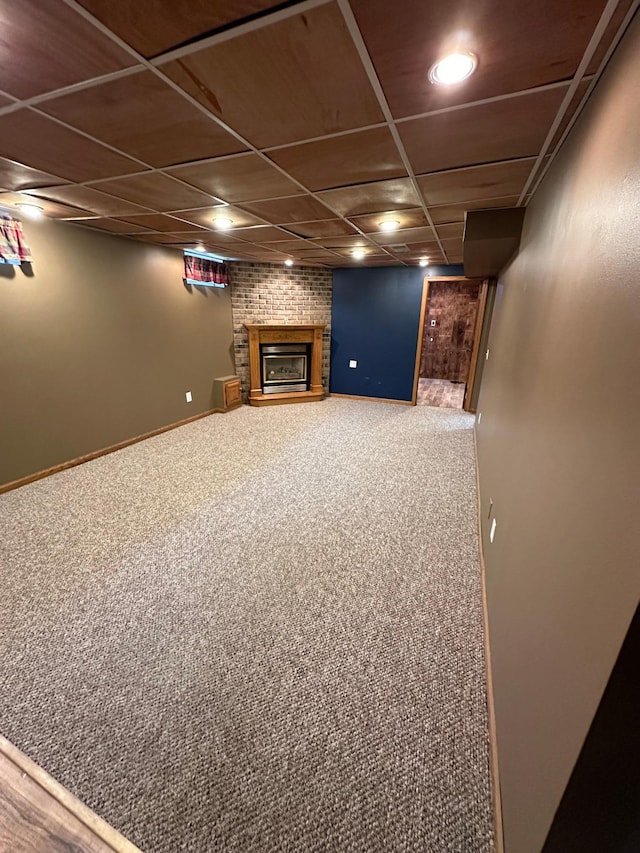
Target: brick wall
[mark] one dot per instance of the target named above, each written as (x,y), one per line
(272,293)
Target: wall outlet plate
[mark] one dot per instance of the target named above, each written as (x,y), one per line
(492,532)
(188,397)
(353,363)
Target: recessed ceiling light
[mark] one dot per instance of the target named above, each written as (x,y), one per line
(424,262)
(453,68)
(358,254)
(222,223)
(34,211)
(288,262)
(389,225)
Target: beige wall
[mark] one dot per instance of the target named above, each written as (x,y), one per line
(558,452)
(100,345)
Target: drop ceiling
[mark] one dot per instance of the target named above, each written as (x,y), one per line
(306,123)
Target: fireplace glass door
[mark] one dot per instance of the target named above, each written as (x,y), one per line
(284,368)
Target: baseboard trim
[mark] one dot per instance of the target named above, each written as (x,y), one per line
(491,709)
(99,827)
(88,457)
(373,399)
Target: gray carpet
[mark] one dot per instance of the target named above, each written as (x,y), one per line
(259,632)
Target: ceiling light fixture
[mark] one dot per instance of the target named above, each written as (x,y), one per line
(423,262)
(199,247)
(288,262)
(222,223)
(358,254)
(453,68)
(389,225)
(33,211)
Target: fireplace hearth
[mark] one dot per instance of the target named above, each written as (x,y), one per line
(285,363)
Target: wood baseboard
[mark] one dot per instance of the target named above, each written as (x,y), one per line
(373,399)
(491,710)
(79,460)
(89,831)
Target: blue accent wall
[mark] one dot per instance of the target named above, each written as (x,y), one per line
(374,320)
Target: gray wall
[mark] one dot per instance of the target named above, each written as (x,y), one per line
(100,345)
(558,452)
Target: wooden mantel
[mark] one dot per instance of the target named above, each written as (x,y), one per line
(305,333)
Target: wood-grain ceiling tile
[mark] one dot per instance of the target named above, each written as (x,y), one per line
(476,182)
(424,248)
(292,209)
(336,243)
(291,246)
(159,222)
(143,116)
(371,256)
(154,26)
(320,228)
(156,191)
(261,234)
(205,217)
(157,237)
(236,179)
(51,209)
(453,248)
(283,82)
(408,235)
(341,160)
(47,45)
(612,28)
(430,251)
(411,218)
(16,176)
(39,142)
(372,198)
(218,237)
(450,231)
(469,136)
(207,237)
(519,46)
(455,212)
(89,199)
(114,226)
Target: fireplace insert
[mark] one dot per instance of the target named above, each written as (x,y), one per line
(284,368)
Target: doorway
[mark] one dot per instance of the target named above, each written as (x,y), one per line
(451,318)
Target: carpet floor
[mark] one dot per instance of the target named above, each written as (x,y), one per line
(259,632)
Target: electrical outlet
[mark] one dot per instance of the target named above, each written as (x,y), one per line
(433,322)
(492,532)
(353,363)
(188,396)
(486,358)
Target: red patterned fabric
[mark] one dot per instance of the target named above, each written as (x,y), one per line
(13,249)
(205,271)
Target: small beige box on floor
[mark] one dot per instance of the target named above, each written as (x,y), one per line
(227,393)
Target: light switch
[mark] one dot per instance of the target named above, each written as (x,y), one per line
(433,322)
(353,363)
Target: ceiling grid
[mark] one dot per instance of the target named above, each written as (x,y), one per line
(156,121)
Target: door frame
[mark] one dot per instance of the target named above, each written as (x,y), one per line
(482,303)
